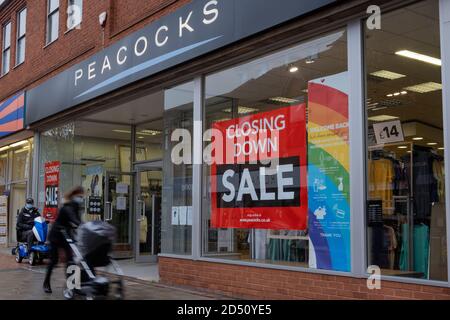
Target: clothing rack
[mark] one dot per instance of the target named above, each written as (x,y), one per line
(408,199)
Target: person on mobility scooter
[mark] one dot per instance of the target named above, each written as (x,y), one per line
(31,234)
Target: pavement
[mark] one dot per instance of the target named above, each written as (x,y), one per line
(24,282)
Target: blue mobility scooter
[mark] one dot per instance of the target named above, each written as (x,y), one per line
(39,250)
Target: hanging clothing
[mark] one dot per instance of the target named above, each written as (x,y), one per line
(381,175)
(390,246)
(420,249)
(438,173)
(424,183)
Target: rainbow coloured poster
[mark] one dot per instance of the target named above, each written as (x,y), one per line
(328,173)
(12,114)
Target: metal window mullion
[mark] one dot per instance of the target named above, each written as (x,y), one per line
(197,168)
(357,147)
(444,13)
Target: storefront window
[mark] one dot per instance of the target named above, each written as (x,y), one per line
(21,161)
(276,172)
(176,224)
(96,156)
(406,215)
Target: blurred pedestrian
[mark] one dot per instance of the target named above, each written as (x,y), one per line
(69,218)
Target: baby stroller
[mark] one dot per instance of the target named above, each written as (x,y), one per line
(92,249)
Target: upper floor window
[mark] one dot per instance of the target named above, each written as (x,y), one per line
(74,13)
(21,36)
(52,20)
(6,48)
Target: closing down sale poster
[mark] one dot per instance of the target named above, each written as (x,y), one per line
(258,174)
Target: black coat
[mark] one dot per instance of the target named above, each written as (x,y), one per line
(25,219)
(68,219)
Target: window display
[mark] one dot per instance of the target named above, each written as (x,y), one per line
(176,218)
(275,176)
(406,233)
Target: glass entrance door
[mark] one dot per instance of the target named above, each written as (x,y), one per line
(118,204)
(148,211)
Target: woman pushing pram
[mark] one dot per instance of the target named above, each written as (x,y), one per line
(92,249)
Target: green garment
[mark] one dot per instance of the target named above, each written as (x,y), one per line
(421,249)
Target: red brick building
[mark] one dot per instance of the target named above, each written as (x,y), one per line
(107,89)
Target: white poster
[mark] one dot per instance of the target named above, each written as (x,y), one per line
(183,215)
(189,216)
(175,216)
(121,203)
(122,188)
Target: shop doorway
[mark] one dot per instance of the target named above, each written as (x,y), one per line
(118,211)
(18,195)
(149,177)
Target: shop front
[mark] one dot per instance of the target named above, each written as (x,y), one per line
(16,150)
(295,170)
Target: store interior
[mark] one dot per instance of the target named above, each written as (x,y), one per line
(406,188)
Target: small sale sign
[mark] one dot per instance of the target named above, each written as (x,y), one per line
(51,180)
(258,171)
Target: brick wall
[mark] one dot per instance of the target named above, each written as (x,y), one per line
(43,62)
(260,283)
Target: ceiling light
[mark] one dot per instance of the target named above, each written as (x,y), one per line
(222,119)
(383,117)
(419,56)
(425,87)
(396,94)
(417,138)
(379,108)
(403,147)
(122,131)
(140,137)
(432,143)
(150,132)
(4,148)
(242,110)
(441,148)
(20,143)
(284,100)
(385,74)
(293,69)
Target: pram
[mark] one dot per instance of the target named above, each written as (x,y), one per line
(92,249)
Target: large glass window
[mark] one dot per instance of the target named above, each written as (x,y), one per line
(21,160)
(176,224)
(276,172)
(6,48)
(406,228)
(21,36)
(52,20)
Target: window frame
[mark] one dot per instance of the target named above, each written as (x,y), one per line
(6,49)
(355,41)
(50,15)
(21,37)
